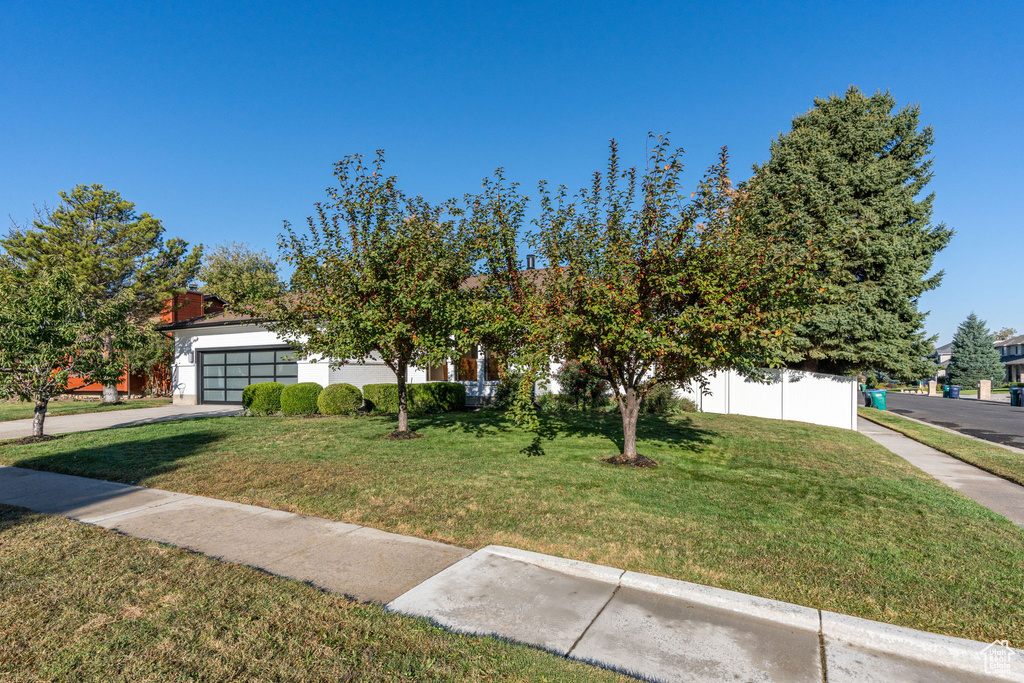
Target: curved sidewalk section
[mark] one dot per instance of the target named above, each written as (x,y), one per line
(1002,496)
(87,422)
(653,628)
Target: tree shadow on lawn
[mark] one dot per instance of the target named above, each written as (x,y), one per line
(676,432)
(127,461)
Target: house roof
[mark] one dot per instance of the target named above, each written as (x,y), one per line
(211,320)
(945,348)
(1012,341)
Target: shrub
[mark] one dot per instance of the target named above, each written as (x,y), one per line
(264,398)
(580,389)
(436,397)
(432,397)
(381,398)
(247,395)
(339,399)
(662,401)
(300,399)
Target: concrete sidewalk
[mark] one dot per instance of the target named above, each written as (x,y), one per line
(87,422)
(651,627)
(997,494)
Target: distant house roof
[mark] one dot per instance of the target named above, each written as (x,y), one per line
(945,348)
(1012,341)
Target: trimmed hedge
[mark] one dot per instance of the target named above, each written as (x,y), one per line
(381,398)
(262,398)
(301,398)
(339,399)
(437,397)
(432,397)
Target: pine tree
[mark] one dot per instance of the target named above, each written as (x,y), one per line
(974,356)
(848,178)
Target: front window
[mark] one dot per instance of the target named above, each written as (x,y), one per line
(491,367)
(465,371)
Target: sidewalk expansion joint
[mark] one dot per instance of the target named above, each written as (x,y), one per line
(125,513)
(618,585)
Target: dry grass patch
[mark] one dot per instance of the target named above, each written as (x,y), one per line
(85,604)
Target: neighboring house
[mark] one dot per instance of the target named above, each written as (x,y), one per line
(187,305)
(941,357)
(1011,352)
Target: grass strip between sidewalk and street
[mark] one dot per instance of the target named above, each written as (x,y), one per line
(818,516)
(86,604)
(20,410)
(989,457)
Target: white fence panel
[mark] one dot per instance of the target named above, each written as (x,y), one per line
(747,397)
(820,399)
(793,395)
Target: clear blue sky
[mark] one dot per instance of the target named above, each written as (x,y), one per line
(223,119)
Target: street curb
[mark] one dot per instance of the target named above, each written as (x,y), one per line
(960,654)
(838,630)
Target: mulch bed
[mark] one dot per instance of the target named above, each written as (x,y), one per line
(639,461)
(403,436)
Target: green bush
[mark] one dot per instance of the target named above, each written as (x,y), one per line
(247,396)
(432,397)
(300,399)
(580,389)
(662,401)
(381,398)
(339,399)
(436,397)
(264,398)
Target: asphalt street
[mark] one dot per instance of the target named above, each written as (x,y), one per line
(996,422)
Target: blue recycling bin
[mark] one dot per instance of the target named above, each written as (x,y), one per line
(954,390)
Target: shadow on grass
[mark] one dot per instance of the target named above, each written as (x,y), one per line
(127,461)
(677,431)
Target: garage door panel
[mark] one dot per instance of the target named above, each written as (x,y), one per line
(226,373)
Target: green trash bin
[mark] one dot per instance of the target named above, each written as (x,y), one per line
(945,391)
(878,398)
(1016,393)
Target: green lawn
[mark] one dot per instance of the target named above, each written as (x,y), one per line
(11,410)
(818,516)
(81,603)
(988,457)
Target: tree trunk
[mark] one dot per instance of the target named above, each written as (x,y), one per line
(110,394)
(39,417)
(403,402)
(629,406)
(809,365)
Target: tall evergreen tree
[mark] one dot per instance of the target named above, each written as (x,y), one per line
(111,251)
(848,177)
(974,356)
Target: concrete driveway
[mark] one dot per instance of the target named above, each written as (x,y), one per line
(996,422)
(87,422)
